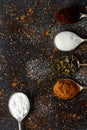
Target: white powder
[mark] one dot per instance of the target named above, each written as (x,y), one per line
(67,41)
(37,69)
(19,106)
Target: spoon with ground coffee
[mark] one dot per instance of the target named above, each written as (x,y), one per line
(68,15)
(67,65)
(67,88)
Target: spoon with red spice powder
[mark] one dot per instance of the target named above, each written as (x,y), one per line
(67,88)
(68,15)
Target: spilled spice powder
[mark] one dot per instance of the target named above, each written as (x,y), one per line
(15,83)
(66,89)
(68,15)
(22,18)
(47,33)
(31,11)
(13,26)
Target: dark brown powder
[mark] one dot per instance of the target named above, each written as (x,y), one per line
(68,15)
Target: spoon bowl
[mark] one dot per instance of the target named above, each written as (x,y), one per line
(67,88)
(67,41)
(68,15)
(19,106)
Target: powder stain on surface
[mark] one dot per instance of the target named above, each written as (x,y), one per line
(22,18)
(37,70)
(15,83)
(13,26)
(31,11)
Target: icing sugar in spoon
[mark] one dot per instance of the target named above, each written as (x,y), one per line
(67,88)
(67,41)
(19,106)
(68,15)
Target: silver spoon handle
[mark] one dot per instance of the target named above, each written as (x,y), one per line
(19,125)
(82,15)
(84,40)
(83,64)
(84,87)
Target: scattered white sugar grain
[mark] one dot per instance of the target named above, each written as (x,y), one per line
(37,69)
(19,105)
(67,41)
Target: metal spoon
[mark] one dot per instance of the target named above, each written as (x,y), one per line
(82,15)
(67,65)
(19,106)
(68,15)
(67,41)
(63,87)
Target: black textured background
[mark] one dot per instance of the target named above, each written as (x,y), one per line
(27,55)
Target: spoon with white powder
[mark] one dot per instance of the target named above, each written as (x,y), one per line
(19,106)
(67,41)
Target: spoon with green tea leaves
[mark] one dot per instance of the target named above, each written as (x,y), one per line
(67,88)
(67,41)
(67,65)
(68,15)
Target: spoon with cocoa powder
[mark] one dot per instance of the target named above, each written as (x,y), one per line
(68,15)
(67,88)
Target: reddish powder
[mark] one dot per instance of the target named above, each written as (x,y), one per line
(66,89)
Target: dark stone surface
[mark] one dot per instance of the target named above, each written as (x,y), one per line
(27,55)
